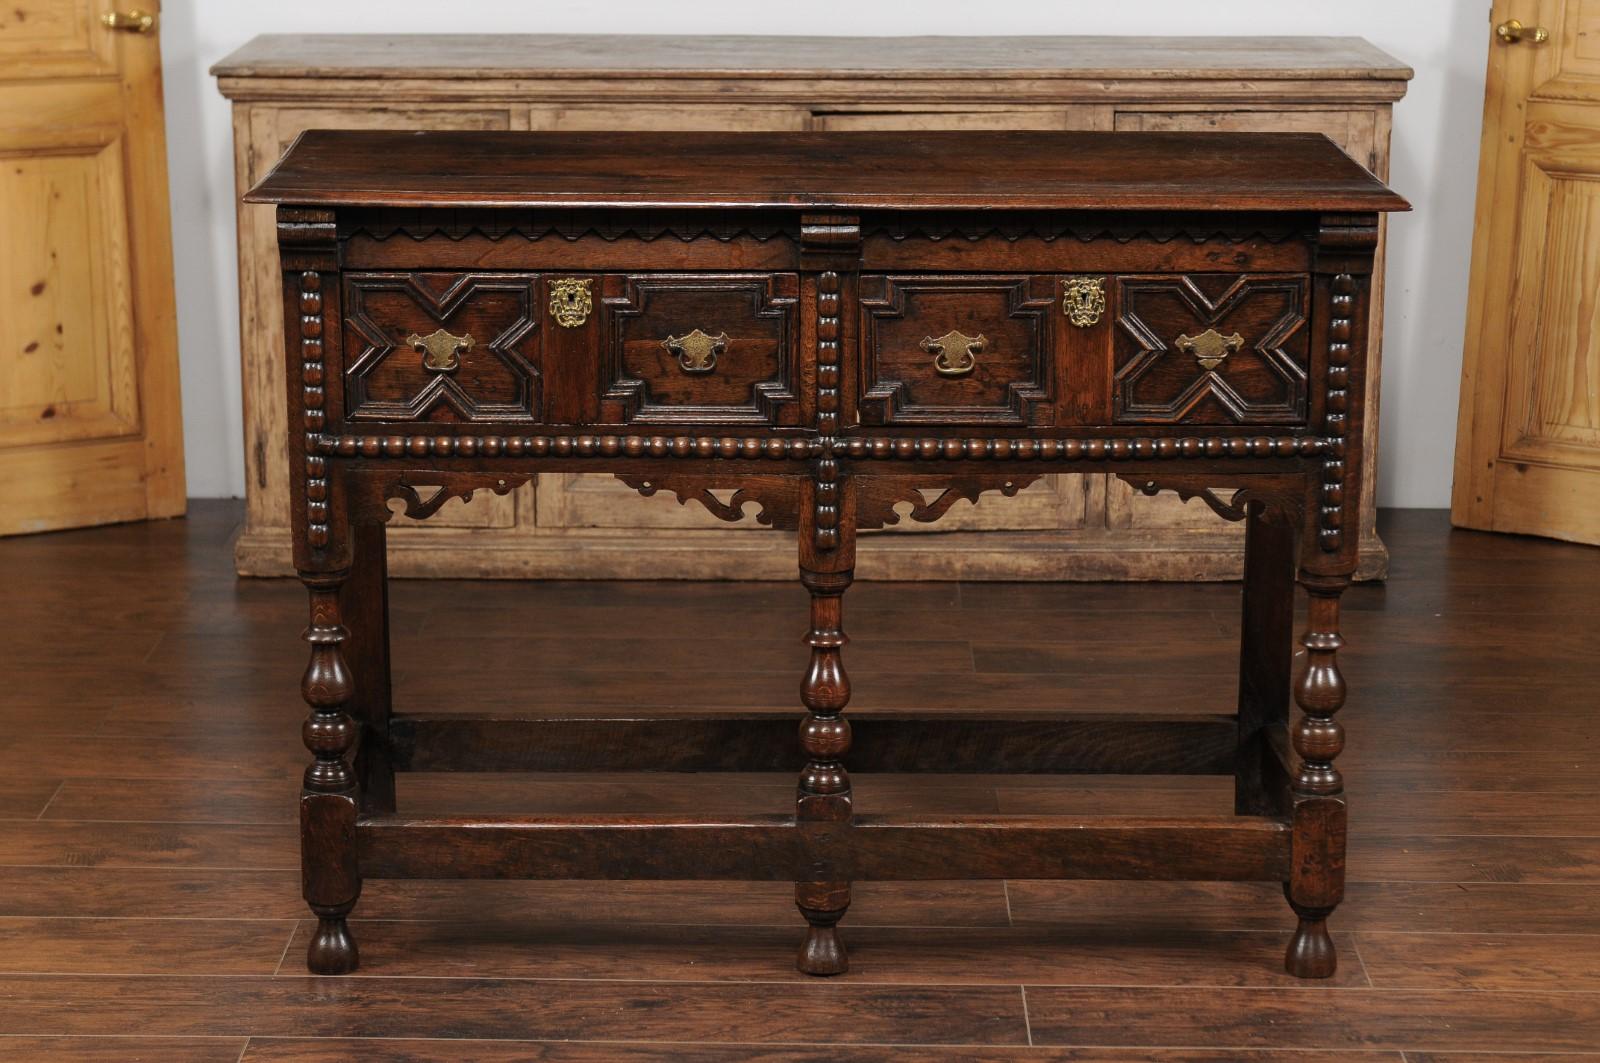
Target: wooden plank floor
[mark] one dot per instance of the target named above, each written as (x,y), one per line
(149,756)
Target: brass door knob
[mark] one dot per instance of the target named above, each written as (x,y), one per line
(134,21)
(1511,31)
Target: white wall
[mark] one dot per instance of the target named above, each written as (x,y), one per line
(1435,161)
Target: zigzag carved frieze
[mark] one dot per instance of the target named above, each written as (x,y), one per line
(800,448)
(1019,225)
(571,226)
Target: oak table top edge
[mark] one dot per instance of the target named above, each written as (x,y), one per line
(860,171)
(560,56)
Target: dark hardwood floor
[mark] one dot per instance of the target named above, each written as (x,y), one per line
(150,752)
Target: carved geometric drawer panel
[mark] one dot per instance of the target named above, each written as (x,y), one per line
(956,350)
(701,349)
(1211,349)
(442,347)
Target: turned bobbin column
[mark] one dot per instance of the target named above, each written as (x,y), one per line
(827,563)
(1316,883)
(328,797)
(823,794)
(1327,563)
(323,551)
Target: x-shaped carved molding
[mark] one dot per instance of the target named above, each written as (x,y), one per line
(1263,382)
(499,385)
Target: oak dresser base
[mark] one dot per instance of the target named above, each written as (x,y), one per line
(913,329)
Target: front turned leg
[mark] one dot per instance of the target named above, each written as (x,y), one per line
(827,556)
(328,799)
(1316,873)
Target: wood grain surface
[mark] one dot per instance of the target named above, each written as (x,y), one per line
(966,170)
(624,56)
(149,886)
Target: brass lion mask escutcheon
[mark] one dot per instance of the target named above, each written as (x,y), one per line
(570,301)
(697,352)
(1209,348)
(1083,300)
(441,351)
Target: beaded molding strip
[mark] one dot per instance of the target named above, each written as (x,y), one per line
(311,379)
(1336,413)
(794,448)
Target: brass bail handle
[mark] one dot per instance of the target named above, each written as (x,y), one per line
(134,21)
(696,351)
(955,353)
(441,352)
(1512,32)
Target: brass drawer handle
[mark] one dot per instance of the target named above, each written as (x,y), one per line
(954,353)
(697,352)
(1210,347)
(441,351)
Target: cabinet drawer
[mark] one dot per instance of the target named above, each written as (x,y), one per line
(1210,349)
(956,350)
(700,349)
(442,347)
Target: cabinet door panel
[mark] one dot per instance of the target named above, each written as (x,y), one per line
(593,500)
(271,131)
(1353,130)
(589,117)
(1073,116)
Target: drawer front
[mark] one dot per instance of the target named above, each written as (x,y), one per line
(1211,349)
(442,347)
(956,350)
(700,349)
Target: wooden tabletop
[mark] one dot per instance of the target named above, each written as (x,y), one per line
(849,171)
(942,58)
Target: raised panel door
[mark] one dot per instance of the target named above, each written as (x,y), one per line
(90,430)
(1528,444)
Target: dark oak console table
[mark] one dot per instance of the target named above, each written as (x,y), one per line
(825,325)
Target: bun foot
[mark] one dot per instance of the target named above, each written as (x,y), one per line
(333,950)
(822,953)
(1311,953)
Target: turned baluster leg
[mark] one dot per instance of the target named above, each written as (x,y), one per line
(1266,652)
(1316,882)
(827,559)
(328,800)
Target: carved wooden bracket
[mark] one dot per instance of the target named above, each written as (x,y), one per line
(777,498)
(878,495)
(1281,499)
(373,490)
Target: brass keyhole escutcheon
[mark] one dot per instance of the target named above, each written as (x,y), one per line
(441,351)
(570,301)
(1083,300)
(1209,348)
(955,353)
(697,352)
